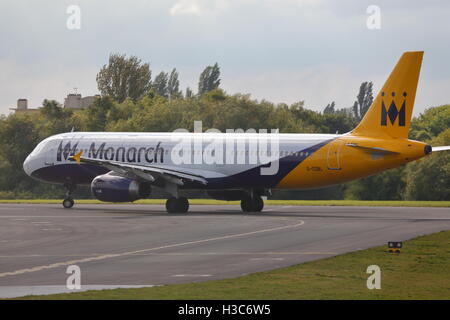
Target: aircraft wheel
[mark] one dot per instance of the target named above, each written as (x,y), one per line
(68,203)
(177,205)
(246,204)
(171,205)
(258,204)
(182,204)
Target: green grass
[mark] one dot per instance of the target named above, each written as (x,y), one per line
(421,271)
(267,202)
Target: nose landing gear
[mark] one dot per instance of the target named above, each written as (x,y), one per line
(68,201)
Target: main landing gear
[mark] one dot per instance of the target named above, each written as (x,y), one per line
(252,204)
(177,205)
(68,201)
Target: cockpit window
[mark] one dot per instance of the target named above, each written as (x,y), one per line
(40,147)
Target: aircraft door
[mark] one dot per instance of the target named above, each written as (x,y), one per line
(333,156)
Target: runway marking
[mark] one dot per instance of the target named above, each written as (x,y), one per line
(71,217)
(265,259)
(116,255)
(192,275)
(172,254)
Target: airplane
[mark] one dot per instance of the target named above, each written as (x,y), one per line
(125,166)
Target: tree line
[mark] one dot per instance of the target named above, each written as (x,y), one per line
(132,101)
(130,78)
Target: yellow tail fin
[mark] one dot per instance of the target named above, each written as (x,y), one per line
(389,116)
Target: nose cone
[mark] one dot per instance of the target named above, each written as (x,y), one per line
(27,166)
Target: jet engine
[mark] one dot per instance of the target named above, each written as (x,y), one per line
(113,188)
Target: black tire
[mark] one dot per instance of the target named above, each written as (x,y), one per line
(258,204)
(68,203)
(182,205)
(171,205)
(246,204)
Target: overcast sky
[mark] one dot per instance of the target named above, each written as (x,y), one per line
(278,50)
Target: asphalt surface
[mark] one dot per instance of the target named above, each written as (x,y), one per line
(139,245)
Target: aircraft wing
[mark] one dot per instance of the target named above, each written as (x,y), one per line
(141,172)
(443,148)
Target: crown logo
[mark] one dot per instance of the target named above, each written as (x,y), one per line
(393,113)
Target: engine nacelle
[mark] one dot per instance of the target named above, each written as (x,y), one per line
(111,188)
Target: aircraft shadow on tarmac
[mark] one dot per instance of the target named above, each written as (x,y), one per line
(319,213)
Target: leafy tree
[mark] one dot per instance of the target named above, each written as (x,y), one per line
(57,119)
(430,123)
(209,79)
(429,179)
(337,123)
(52,109)
(160,84)
(189,93)
(124,78)
(18,137)
(329,109)
(173,85)
(364,100)
(97,113)
(386,185)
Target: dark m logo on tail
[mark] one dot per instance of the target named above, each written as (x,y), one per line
(393,113)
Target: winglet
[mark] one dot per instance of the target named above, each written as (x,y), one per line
(77,157)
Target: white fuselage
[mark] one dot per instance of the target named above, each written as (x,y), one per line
(211,155)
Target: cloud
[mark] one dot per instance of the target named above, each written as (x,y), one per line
(204,7)
(185,7)
(198,7)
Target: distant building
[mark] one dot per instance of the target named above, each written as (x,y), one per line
(22,107)
(73,101)
(76,102)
